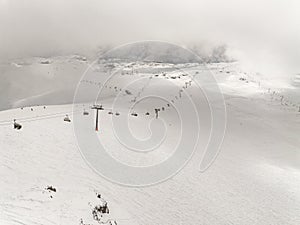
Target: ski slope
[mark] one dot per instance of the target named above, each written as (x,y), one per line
(254,180)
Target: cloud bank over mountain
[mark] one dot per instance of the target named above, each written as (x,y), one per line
(264,35)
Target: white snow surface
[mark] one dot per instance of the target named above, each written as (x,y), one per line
(254,180)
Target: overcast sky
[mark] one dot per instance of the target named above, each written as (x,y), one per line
(260,33)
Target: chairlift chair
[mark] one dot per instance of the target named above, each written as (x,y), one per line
(134,114)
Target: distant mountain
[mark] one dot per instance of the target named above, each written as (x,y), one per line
(165,53)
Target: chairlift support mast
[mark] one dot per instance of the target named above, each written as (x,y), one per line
(97,108)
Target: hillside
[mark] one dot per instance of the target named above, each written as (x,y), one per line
(254,180)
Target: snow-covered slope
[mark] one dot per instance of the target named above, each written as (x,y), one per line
(44,154)
(254,180)
(35,81)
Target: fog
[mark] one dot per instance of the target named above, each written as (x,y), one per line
(263,34)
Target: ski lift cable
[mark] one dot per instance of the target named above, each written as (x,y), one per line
(36,118)
(42,116)
(45,118)
(53,115)
(32,119)
(137,95)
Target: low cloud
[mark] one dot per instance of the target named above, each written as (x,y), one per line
(262,34)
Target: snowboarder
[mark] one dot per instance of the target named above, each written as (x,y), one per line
(67,119)
(17,125)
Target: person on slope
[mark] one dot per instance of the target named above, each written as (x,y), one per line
(17,125)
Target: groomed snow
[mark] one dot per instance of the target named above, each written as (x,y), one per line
(254,180)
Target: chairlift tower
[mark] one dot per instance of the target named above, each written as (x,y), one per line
(97,108)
